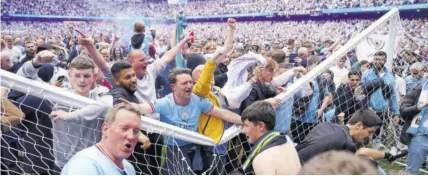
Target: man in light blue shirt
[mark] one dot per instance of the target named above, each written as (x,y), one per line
(182,108)
(121,130)
(383,100)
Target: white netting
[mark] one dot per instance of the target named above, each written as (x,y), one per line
(297,117)
(37,147)
(28,148)
(328,80)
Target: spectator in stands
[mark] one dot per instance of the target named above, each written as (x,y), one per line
(348,96)
(416,77)
(125,82)
(117,54)
(11,116)
(211,126)
(272,153)
(40,42)
(339,71)
(362,66)
(30,51)
(382,100)
(13,51)
(278,56)
(68,134)
(414,110)
(400,84)
(302,59)
(285,111)
(120,132)
(145,93)
(7,64)
(73,48)
(262,87)
(19,44)
(140,40)
(408,59)
(38,128)
(329,136)
(338,163)
(182,108)
(37,112)
(309,108)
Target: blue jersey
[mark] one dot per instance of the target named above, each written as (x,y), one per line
(186,117)
(91,161)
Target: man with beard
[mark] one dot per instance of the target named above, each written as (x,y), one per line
(30,51)
(125,86)
(382,101)
(125,81)
(145,88)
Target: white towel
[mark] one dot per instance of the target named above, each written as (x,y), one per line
(237,88)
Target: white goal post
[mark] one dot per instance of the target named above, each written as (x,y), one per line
(393,13)
(63,97)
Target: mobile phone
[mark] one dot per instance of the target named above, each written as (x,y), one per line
(61,78)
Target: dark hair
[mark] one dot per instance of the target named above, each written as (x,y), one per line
(380,53)
(363,62)
(290,41)
(330,73)
(278,56)
(119,66)
(260,111)
(367,117)
(172,77)
(313,60)
(354,72)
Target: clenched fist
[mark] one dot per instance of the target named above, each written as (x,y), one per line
(231,22)
(44,57)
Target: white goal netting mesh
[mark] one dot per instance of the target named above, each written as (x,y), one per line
(35,146)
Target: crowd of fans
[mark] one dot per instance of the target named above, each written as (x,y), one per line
(200,8)
(268,33)
(235,71)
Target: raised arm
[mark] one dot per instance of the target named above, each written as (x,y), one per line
(204,86)
(170,55)
(95,55)
(30,69)
(172,42)
(110,47)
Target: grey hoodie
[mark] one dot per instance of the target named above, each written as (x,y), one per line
(82,128)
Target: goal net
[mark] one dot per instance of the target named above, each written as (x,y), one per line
(33,146)
(326,93)
(28,148)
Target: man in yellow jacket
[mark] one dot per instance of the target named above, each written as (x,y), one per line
(213,127)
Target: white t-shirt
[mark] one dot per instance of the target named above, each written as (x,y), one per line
(146,90)
(14,53)
(400,86)
(339,75)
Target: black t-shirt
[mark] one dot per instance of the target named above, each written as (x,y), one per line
(325,137)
